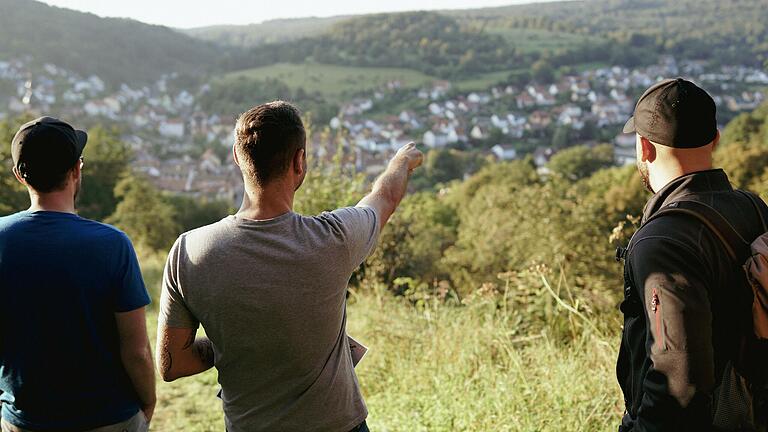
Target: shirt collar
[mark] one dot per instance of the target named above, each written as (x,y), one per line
(714,180)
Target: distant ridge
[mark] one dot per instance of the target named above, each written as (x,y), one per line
(723,31)
(118,50)
(287,29)
(271,31)
(448,44)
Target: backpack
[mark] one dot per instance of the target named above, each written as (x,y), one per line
(740,401)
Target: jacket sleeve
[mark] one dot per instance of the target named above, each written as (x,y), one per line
(674,283)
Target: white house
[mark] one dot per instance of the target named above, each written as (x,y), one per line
(477,133)
(96,108)
(498,122)
(504,152)
(434,140)
(435,109)
(173,128)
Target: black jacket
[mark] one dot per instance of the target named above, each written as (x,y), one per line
(683,309)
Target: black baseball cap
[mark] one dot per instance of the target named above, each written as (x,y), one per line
(47,145)
(675,113)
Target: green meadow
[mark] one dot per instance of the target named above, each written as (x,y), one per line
(333,82)
(338,82)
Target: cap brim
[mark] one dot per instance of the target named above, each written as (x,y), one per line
(629,127)
(82,139)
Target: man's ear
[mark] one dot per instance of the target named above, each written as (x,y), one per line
(18,176)
(234,155)
(77,170)
(647,150)
(300,162)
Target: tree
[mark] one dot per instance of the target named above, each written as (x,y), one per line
(413,242)
(193,213)
(744,163)
(742,129)
(743,152)
(543,72)
(106,161)
(517,174)
(441,166)
(561,137)
(580,162)
(328,188)
(503,227)
(601,210)
(144,215)
(489,206)
(13,195)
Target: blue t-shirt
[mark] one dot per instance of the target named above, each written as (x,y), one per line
(62,278)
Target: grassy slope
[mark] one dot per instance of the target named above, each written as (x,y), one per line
(339,82)
(444,369)
(333,82)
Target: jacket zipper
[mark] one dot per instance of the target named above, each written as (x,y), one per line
(656,308)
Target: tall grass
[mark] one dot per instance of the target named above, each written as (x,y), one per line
(446,368)
(438,367)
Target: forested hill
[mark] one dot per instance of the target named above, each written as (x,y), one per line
(279,30)
(429,42)
(734,31)
(460,43)
(117,50)
(447,44)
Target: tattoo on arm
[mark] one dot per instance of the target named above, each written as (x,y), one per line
(193,355)
(166,361)
(190,340)
(203,348)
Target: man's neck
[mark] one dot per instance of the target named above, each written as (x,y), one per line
(266,203)
(61,201)
(665,176)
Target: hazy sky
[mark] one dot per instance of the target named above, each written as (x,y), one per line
(185,13)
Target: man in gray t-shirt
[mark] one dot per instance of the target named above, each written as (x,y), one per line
(269,288)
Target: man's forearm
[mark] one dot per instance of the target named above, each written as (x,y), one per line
(394,181)
(193,357)
(389,189)
(141,371)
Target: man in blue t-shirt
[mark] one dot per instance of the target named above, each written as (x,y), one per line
(74,351)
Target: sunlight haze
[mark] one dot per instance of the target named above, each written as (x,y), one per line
(178,13)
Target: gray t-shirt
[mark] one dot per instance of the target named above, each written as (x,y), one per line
(271,296)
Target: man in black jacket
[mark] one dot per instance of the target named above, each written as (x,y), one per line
(685,307)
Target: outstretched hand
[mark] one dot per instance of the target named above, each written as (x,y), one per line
(389,189)
(411,155)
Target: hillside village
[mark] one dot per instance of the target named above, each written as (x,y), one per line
(185,150)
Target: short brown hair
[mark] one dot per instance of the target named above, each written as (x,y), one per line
(267,137)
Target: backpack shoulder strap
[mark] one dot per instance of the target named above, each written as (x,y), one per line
(760,214)
(735,245)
